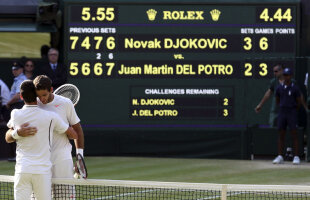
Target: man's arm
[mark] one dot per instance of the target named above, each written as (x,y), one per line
(61,127)
(267,95)
(79,142)
(23,131)
(14,99)
(71,133)
(8,136)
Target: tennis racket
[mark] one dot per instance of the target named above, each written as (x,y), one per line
(70,91)
(80,167)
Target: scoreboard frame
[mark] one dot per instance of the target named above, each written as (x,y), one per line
(160,125)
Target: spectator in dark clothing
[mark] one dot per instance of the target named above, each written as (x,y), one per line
(22,60)
(44,51)
(54,70)
(288,97)
(29,69)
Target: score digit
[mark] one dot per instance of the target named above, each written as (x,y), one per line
(278,15)
(110,66)
(225,102)
(287,15)
(110,43)
(74,41)
(98,69)
(248,68)
(85,69)
(263,67)
(98,39)
(248,43)
(225,112)
(74,69)
(263,43)
(86,43)
(85,13)
(264,15)
(110,14)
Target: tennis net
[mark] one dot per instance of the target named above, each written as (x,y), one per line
(149,190)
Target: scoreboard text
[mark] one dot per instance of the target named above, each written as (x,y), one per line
(175,65)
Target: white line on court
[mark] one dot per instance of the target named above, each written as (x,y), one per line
(125,194)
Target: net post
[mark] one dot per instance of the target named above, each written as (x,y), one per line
(224,192)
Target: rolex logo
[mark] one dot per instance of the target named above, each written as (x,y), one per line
(215,14)
(151,14)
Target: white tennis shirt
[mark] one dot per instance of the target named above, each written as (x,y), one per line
(33,152)
(61,148)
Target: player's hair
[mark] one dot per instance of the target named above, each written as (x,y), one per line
(42,82)
(28,91)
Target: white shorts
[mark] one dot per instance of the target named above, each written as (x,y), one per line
(25,183)
(63,169)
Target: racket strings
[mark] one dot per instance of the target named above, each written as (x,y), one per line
(81,168)
(80,165)
(70,92)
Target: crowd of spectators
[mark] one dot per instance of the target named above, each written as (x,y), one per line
(26,68)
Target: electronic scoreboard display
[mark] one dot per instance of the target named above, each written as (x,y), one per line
(176,66)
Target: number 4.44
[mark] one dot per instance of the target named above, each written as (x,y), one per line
(279,15)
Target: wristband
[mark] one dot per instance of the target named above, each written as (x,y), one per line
(15,135)
(80,151)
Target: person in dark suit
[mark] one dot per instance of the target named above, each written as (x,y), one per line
(55,70)
(288,96)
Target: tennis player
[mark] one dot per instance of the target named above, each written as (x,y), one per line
(61,148)
(33,165)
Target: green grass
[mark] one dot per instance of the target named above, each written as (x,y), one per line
(16,45)
(198,170)
(191,170)
(182,170)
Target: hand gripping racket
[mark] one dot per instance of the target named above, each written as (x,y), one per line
(80,167)
(70,91)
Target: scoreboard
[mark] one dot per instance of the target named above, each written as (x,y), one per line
(176,65)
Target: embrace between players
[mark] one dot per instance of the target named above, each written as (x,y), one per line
(42,129)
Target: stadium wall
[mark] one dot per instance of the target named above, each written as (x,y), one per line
(232,144)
